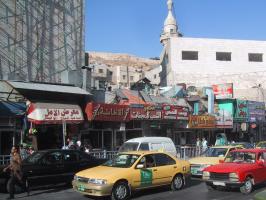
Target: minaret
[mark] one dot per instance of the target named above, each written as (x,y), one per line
(170,26)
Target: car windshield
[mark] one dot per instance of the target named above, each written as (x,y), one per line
(122,161)
(215,152)
(34,157)
(241,157)
(129,146)
(262,145)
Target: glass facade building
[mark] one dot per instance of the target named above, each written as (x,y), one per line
(41,40)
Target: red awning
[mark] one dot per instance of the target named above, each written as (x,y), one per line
(52,113)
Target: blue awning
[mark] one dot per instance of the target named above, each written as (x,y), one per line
(8,109)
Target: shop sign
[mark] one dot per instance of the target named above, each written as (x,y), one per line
(148,112)
(202,121)
(223,91)
(107,112)
(174,112)
(241,113)
(256,111)
(224,115)
(51,113)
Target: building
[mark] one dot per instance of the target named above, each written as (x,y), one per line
(41,40)
(204,61)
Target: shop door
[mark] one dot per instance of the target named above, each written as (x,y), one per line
(107,142)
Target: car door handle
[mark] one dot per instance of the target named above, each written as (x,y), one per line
(175,167)
(155,170)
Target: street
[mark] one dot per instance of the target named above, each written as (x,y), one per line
(196,190)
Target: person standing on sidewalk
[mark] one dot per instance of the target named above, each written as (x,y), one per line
(204,144)
(15,172)
(198,146)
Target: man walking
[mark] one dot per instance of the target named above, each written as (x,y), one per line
(15,172)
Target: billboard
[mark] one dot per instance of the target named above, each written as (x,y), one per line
(223,91)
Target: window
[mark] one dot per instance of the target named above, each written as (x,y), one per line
(223,56)
(131,78)
(144,147)
(100,71)
(154,76)
(255,57)
(111,73)
(189,55)
(124,77)
(162,160)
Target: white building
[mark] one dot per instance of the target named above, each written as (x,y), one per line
(203,62)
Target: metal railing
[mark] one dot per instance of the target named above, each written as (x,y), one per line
(104,154)
(4,159)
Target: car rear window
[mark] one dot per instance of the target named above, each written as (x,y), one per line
(129,146)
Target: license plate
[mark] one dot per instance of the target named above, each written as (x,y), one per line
(81,188)
(218,183)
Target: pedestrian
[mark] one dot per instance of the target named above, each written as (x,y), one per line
(79,146)
(198,146)
(204,144)
(16,174)
(23,152)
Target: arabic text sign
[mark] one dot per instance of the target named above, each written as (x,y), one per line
(145,112)
(107,112)
(202,121)
(174,112)
(61,114)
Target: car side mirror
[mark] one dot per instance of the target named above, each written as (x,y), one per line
(140,166)
(221,161)
(260,162)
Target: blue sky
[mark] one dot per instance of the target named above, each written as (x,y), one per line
(134,26)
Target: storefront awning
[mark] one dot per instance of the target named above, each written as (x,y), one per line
(51,113)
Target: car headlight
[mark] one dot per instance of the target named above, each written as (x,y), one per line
(233,177)
(97,181)
(206,175)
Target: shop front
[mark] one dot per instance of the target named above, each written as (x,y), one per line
(52,123)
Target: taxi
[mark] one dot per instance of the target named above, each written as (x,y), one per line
(130,171)
(261,145)
(211,156)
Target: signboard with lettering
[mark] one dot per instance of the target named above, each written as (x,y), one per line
(107,112)
(224,115)
(202,121)
(256,111)
(49,113)
(145,112)
(241,114)
(223,91)
(174,112)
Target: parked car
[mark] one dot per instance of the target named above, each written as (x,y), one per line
(149,144)
(130,171)
(52,167)
(210,157)
(242,168)
(245,145)
(261,145)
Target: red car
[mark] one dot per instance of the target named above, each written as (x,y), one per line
(242,168)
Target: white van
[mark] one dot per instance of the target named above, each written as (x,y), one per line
(149,144)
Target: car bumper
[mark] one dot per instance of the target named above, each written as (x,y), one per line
(224,183)
(91,189)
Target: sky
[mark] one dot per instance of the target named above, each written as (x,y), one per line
(134,26)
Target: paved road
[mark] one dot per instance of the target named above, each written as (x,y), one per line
(196,191)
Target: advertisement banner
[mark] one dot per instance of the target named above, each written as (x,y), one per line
(241,114)
(202,121)
(223,91)
(174,112)
(256,111)
(107,112)
(224,115)
(148,112)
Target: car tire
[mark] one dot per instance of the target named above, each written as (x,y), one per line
(177,182)
(17,188)
(247,187)
(120,191)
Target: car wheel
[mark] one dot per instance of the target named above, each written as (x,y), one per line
(120,191)
(177,182)
(247,187)
(17,189)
